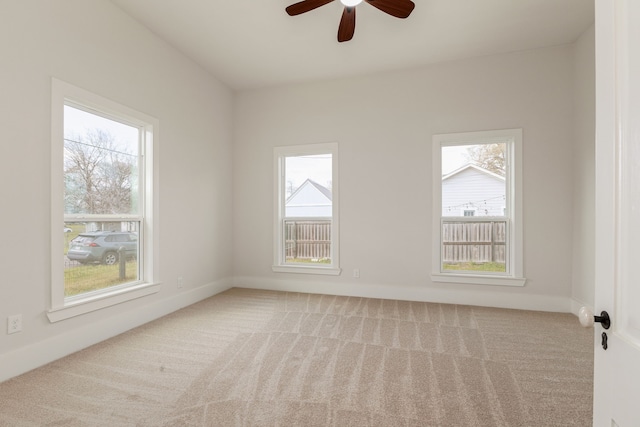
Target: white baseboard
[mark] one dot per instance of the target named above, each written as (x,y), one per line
(24,359)
(481,297)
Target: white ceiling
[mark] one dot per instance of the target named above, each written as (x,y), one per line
(254,43)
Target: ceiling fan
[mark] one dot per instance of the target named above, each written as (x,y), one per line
(397,8)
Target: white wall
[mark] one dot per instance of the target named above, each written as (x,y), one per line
(94,45)
(583,287)
(384,124)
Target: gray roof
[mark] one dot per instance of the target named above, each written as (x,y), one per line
(324,190)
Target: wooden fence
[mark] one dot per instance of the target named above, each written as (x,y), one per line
(462,241)
(307,240)
(474,241)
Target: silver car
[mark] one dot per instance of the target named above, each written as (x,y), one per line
(103,246)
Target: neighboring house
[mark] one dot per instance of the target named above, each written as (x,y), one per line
(473,191)
(309,200)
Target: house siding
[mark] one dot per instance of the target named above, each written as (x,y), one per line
(473,189)
(308,201)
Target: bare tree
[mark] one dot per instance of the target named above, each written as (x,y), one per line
(491,157)
(98,177)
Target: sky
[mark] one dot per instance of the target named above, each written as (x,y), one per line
(454,157)
(78,122)
(317,168)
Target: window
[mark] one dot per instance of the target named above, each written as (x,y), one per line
(306,206)
(477,208)
(102,202)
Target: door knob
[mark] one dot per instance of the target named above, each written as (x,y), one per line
(587,318)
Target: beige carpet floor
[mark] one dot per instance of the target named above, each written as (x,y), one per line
(263,358)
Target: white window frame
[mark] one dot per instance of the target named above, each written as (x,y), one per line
(279,154)
(62,307)
(514,276)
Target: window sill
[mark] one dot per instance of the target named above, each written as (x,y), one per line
(329,271)
(97,302)
(475,279)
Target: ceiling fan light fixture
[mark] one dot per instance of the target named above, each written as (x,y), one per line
(397,8)
(350,3)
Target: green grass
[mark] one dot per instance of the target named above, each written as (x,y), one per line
(82,278)
(476,266)
(309,261)
(92,277)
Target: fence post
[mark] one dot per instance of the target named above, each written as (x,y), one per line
(122,257)
(294,237)
(493,241)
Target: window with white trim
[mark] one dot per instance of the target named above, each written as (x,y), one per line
(477,187)
(102,202)
(306,226)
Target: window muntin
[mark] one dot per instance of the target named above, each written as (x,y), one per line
(305,219)
(110,202)
(477,207)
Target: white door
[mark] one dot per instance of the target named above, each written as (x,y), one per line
(617,369)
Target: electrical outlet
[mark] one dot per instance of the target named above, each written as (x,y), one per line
(180,282)
(356,273)
(14,324)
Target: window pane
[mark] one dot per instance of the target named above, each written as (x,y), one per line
(101,178)
(99,255)
(308,209)
(473,181)
(474,245)
(474,185)
(100,164)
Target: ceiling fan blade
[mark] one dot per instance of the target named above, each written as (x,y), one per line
(397,8)
(347,24)
(305,6)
